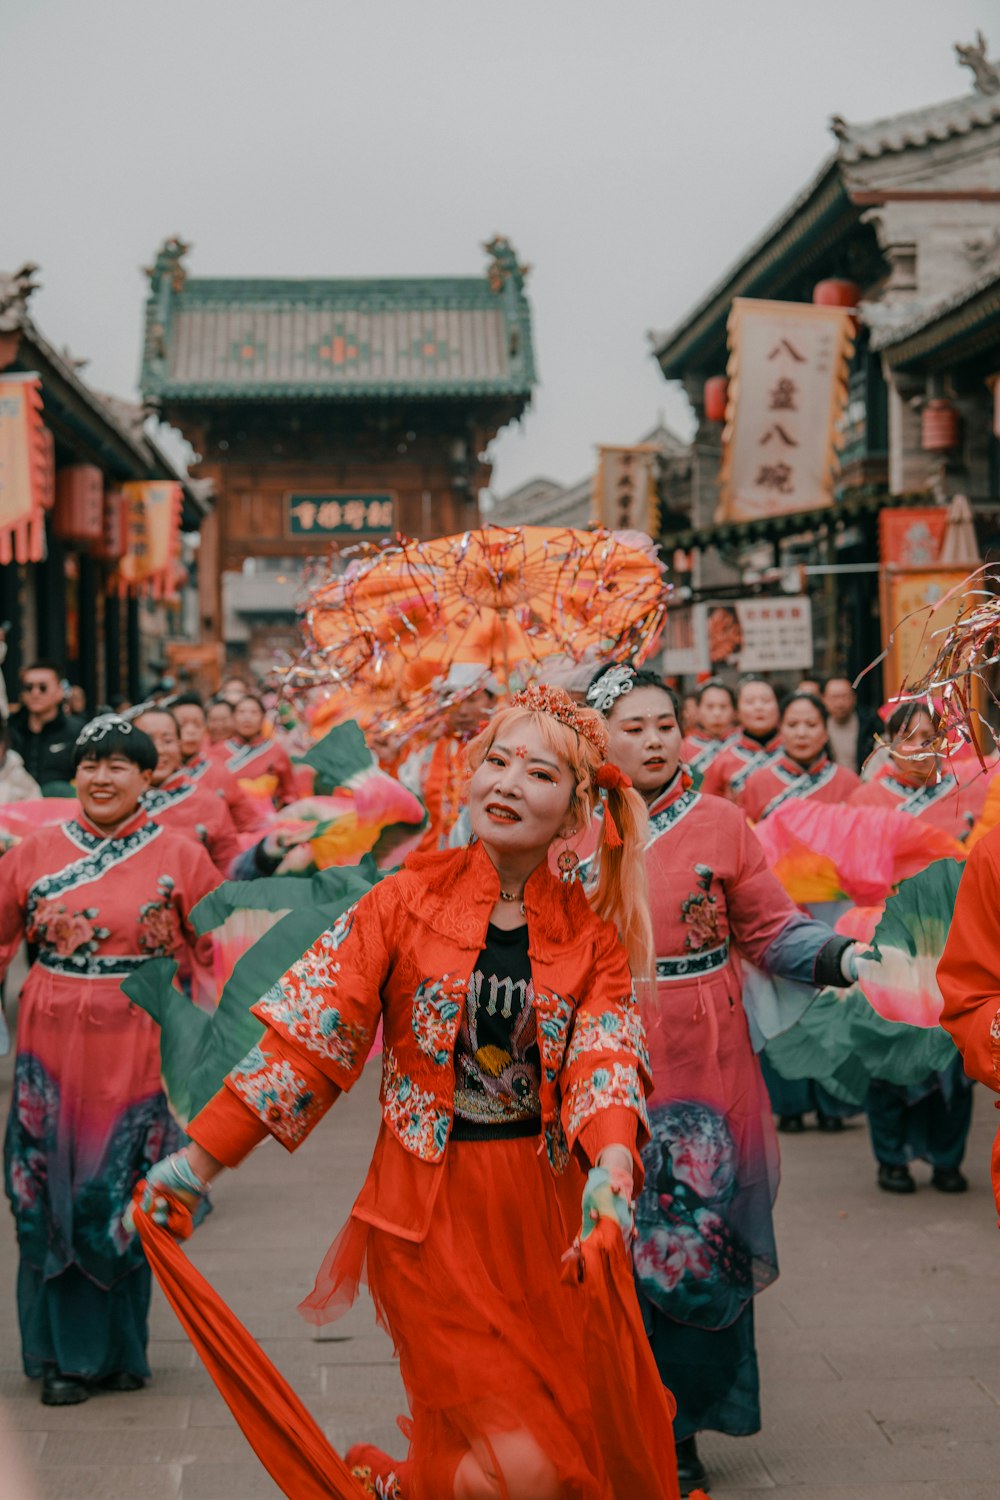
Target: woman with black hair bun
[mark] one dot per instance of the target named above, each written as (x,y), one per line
(715,728)
(916,782)
(803,767)
(758,711)
(705,1242)
(96,897)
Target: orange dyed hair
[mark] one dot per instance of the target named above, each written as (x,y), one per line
(621,894)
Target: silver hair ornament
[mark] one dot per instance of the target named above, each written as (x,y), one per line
(102,725)
(609,687)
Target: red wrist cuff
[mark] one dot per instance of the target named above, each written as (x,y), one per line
(227,1129)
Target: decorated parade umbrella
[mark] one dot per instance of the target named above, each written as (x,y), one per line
(498,598)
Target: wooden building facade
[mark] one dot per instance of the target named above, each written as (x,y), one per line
(332,410)
(65,607)
(906,213)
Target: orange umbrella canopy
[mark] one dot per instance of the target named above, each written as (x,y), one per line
(498,598)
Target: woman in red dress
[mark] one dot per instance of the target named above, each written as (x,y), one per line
(513,1059)
(714,728)
(915,782)
(803,768)
(253,758)
(705,1242)
(758,712)
(96,898)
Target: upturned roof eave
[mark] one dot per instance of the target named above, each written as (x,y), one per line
(966,322)
(179,394)
(63,387)
(758,270)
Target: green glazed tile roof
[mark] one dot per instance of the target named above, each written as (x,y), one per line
(348,339)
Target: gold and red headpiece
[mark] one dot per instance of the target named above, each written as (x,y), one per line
(538,698)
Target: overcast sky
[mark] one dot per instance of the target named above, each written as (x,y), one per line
(629,149)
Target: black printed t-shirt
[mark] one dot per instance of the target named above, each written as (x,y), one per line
(497,1065)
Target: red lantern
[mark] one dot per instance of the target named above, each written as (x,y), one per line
(716,395)
(113,540)
(836,293)
(79,510)
(939,428)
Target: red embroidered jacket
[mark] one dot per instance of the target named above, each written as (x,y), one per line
(405,952)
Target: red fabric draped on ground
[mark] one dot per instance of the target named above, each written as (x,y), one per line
(633,1411)
(274,1421)
(591,1406)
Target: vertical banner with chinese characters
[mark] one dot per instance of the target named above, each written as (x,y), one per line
(152,538)
(788,364)
(25,480)
(624,494)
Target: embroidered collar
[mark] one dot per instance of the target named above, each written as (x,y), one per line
(706,749)
(239,753)
(87,834)
(915,797)
(98,855)
(786,767)
(674,803)
(748,745)
(176,788)
(800,783)
(458,888)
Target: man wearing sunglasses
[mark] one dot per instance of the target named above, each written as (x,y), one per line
(42,733)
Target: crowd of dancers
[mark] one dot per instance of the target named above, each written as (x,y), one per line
(561,961)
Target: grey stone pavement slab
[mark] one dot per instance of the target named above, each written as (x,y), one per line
(878,1341)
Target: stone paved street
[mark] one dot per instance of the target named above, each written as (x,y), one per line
(878,1340)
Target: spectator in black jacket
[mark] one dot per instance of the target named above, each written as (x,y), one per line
(851,729)
(42,733)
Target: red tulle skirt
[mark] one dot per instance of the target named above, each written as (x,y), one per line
(488,1331)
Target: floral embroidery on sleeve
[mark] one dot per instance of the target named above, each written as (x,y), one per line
(617,1029)
(301,1006)
(277,1094)
(617,1086)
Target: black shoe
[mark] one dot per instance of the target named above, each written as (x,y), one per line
(791,1124)
(949,1180)
(690,1469)
(63,1390)
(895,1179)
(122,1380)
(829,1124)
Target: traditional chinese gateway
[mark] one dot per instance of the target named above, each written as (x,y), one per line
(330,411)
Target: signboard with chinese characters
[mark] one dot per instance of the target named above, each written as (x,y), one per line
(152,538)
(624,495)
(911,536)
(338,513)
(788,364)
(23,470)
(757,635)
(916,607)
